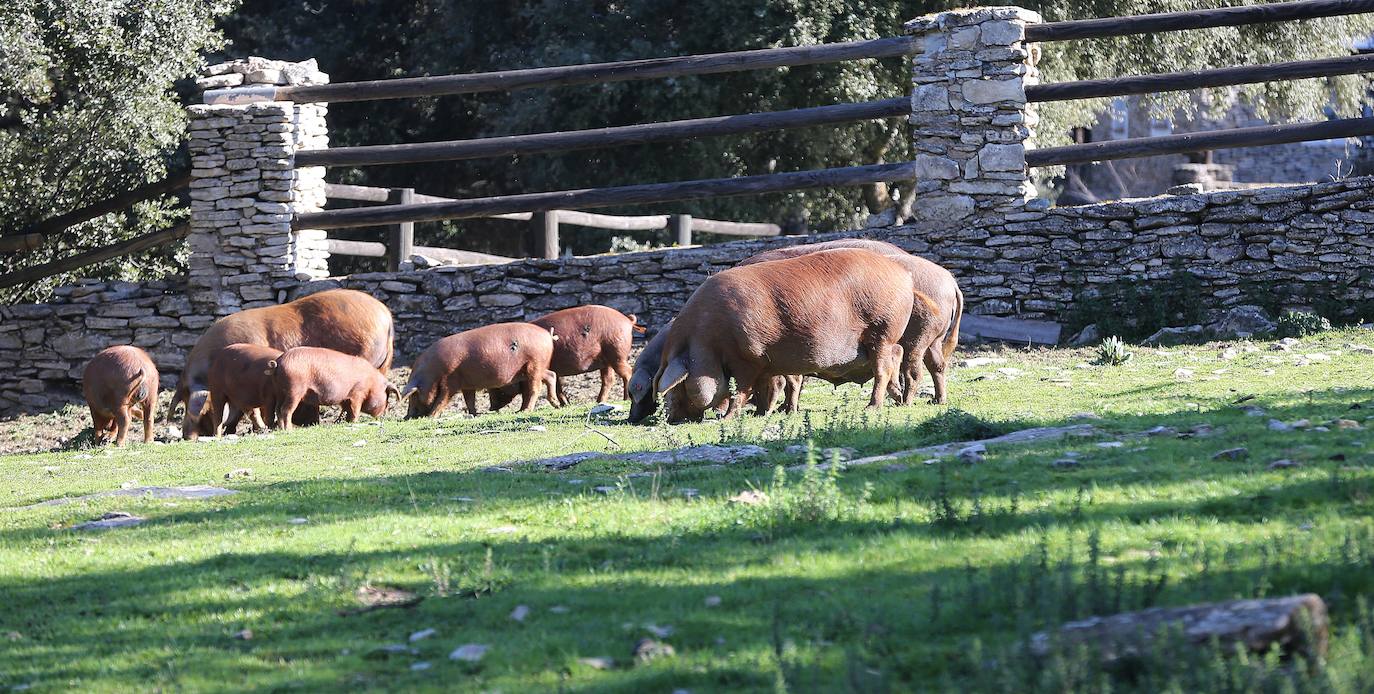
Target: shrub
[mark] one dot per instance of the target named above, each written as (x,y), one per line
(1301,324)
(1112,352)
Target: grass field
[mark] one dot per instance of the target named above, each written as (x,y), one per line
(923,576)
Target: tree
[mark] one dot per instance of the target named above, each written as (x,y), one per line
(88,109)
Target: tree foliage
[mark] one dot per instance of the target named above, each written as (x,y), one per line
(87,110)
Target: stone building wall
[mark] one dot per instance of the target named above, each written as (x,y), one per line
(1035,264)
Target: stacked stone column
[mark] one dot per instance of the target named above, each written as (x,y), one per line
(245,188)
(969,116)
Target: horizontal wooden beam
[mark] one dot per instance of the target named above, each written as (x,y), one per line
(613,222)
(1195,19)
(20,242)
(373,249)
(606,197)
(736,228)
(115,203)
(602,73)
(541,143)
(363,249)
(96,255)
(1200,142)
(1221,77)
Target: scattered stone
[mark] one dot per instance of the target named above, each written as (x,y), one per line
(113,519)
(1282,464)
(712,601)
(1066,464)
(1183,374)
(497,468)
(297,521)
(1359,349)
(1238,453)
(192,492)
(520,613)
(244,635)
(705,453)
(1253,411)
(598,663)
(1084,416)
(823,454)
(1302,424)
(538,427)
(379,597)
(648,649)
(1229,353)
(604,490)
(1321,429)
(1110,444)
(360,443)
(1089,335)
(603,408)
(689,493)
(972,455)
(749,497)
(1033,435)
(420,666)
(1276,425)
(1161,431)
(1173,336)
(1348,424)
(504,530)
(385,652)
(975,362)
(237,473)
(559,609)
(895,467)
(658,631)
(469,653)
(1243,321)
(1010,372)
(422,635)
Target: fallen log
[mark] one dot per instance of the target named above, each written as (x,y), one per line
(1297,625)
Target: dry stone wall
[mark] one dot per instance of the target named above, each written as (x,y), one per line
(1290,240)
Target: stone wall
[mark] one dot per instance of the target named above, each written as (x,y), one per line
(1034,264)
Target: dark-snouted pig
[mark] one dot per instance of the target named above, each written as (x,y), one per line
(241,383)
(119,383)
(831,313)
(344,320)
(485,358)
(590,338)
(316,376)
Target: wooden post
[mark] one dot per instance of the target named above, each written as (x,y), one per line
(680,226)
(544,235)
(401,243)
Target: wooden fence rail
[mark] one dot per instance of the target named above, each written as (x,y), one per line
(96,255)
(1195,19)
(1221,77)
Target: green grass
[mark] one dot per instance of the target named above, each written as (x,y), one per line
(923,578)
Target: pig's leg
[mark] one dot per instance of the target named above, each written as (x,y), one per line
(622,369)
(529,393)
(607,380)
(217,406)
(255,419)
(100,424)
(290,400)
(935,361)
(792,394)
(911,371)
(553,383)
(349,409)
(470,399)
(886,366)
(121,419)
(149,414)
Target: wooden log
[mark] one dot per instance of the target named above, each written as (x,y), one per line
(680,227)
(96,255)
(401,237)
(600,73)
(1179,81)
(1297,625)
(148,191)
(1009,329)
(457,257)
(614,222)
(736,228)
(20,242)
(365,249)
(607,197)
(539,143)
(1196,142)
(544,234)
(1195,19)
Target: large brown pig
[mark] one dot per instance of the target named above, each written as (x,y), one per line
(118,383)
(928,278)
(830,313)
(589,338)
(316,376)
(241,383)
(340,319)
(486,358)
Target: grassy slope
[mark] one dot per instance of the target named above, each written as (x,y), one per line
(886,589)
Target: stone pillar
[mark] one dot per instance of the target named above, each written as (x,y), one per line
(969,116)
(245,187)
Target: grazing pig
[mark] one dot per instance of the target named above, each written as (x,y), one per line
(588,338)
(317,376)
(340,319)
(486,358)
(118,383)
(643,398)
(241,381)
(831,313)
(928,278)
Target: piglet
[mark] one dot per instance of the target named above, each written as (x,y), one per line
(240,380)
(589,338)
(119,382)
(315,376)
(486,358)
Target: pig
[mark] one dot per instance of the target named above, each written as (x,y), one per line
(341,319)
(589,338)
(486,358)
(240,383)
(316,376)
(643,399)
(928,278)
(831,313)
(118,383)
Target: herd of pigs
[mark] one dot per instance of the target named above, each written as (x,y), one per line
(848,311)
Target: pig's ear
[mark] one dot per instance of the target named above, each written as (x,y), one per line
(672,374)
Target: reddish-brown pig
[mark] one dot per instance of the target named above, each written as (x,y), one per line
(589,338)
(316,376)
(241,383)
(486,358)
(830,313)
(340,319)
(928,278)
(118,383)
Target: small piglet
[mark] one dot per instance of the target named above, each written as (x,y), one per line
(315,376)
(240,379)
(588,338)
(118,383)
(486,358)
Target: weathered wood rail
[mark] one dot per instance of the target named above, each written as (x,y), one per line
(1243,15)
